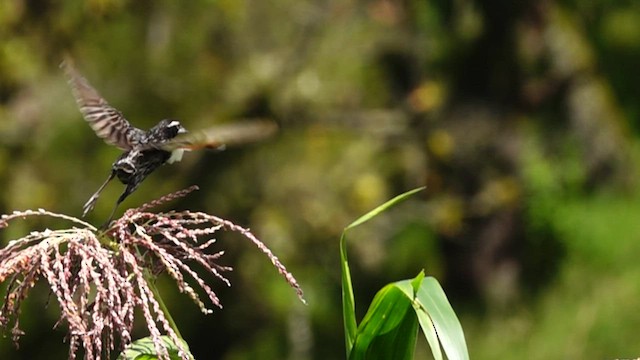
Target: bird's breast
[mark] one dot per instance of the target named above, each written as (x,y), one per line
(133,166)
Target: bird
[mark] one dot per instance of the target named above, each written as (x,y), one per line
(146,151)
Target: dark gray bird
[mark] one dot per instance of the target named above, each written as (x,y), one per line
(145,151)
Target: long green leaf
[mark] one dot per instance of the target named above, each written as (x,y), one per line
(348,302)
(429,332)
(411,288)
(432,300)
(388,330)
(375,212)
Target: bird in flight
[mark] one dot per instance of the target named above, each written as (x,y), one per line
(145,151)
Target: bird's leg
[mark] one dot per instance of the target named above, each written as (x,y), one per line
(91,203)
(127,191)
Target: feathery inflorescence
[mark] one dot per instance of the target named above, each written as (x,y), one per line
(100,278)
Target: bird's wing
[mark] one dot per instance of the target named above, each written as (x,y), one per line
(105,120)
(217,137)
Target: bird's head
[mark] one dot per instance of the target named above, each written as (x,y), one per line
(173,128)
(165,130)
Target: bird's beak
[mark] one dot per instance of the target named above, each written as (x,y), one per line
(182,130)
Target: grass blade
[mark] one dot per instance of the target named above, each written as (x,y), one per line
(432,300)
(373,213)
(348,302)
(388,330)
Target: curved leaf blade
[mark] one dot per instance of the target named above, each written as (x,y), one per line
(348,302)
(375,212)
(389,329)
(410,289)
(432,300)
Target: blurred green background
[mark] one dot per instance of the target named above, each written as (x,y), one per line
(521,117)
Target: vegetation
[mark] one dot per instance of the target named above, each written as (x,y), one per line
(520,118)
(389,329)
(101,277)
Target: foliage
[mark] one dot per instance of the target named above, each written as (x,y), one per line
(520,117)
(100,278)
(388,330)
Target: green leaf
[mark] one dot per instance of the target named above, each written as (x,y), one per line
(375,212)
(389,329)
(433,302)
(416,283)
(410,289)
(348,302)
(143,349)
(429,332)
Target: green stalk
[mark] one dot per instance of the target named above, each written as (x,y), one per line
(163,306)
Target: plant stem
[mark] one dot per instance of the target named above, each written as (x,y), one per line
(150,281)
(163,306)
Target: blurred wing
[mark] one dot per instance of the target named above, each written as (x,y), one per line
(217,137)
(106,121)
